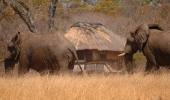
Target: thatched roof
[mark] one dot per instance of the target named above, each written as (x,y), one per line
(94,36)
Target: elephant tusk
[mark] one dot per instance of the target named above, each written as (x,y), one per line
(122,54)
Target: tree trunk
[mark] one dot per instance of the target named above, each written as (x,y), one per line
(23,11)
(2,9)
(52,10)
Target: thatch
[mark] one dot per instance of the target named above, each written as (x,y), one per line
(94,36)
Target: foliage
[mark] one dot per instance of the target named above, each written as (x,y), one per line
(107,6)
(139,56)
(147,1)
(39,2)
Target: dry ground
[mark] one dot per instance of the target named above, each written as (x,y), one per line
(93,87)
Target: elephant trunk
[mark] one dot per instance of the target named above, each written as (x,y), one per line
(76,58)
(10,61)
(128,58)
(9,65)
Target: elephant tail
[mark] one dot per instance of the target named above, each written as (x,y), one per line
(76,59)
(155,26)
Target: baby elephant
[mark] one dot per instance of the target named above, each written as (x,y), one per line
(41,52)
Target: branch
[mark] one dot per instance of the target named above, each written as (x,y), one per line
(3,6)
(24,12)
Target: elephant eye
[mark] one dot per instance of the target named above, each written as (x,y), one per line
(11,48)
(130,40)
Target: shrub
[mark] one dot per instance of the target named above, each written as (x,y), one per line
(107,6)
(139,57)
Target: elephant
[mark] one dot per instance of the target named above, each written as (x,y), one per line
(41,52)
(153,42)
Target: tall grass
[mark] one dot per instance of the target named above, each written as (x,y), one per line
(95,87)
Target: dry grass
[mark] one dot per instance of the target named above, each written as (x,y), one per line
(97,87)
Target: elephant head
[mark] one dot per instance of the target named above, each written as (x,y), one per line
(13,52)
(136,41)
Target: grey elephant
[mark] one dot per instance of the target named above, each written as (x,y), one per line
(153,42)
(41,52)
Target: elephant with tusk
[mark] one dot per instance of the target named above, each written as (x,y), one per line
(153,42)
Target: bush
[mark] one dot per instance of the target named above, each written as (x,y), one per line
(107,6)
(36,3)
(139,57)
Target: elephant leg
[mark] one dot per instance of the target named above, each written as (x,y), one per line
(23,65)
(71,65)
(67,63)
(22,69)
(151,61)
(130,68)
(53,65)
(151,66)
(64,66)
(54,69)
(148,67)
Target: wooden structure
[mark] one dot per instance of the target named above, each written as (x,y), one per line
(97,47)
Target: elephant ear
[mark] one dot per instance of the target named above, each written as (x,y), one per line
(131,37)
(141,35)
(16,39)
